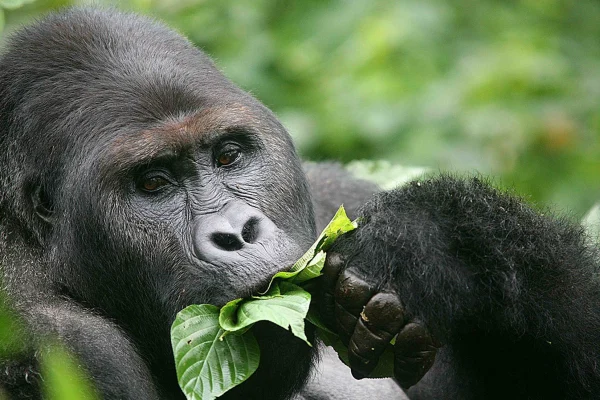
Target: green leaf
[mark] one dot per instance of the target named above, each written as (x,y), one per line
(385,174)
(285,305)
(1,19)
(208,363)
(312,269)
(339,224)
(63,379)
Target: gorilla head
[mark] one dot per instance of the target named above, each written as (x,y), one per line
(145,181)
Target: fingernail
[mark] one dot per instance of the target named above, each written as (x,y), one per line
(358,375)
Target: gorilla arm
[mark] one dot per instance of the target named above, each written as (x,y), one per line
(98,344)
(118,370)
(510,292)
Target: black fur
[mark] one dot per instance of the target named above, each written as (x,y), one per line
(512,293)
(95,104)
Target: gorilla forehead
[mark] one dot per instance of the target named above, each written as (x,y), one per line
(153,83)
(95,40)
(106,63)
(183,135)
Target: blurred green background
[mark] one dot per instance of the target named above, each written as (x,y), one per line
(509,88)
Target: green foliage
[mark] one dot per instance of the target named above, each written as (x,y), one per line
(509,88)
(14,4)
(10,5)
(62,377)
(11,330)
(385,174)
(285,304)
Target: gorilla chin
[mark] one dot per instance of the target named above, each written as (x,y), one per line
(283,358)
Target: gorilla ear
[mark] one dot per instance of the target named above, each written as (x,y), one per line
(42,205)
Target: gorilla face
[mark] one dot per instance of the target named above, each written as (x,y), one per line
(194,203)
(149,180)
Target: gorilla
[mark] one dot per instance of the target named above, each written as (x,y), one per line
(136,179)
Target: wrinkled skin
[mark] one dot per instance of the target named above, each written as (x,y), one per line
(135,179)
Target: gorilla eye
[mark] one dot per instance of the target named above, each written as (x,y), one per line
(228,157)
(153,183)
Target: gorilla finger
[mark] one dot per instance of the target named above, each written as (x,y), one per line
(351,294)
(334,262)
(414,354)
(324,298)
(415,337)
(327,307)
(381,319)
(345,322)
(384,314)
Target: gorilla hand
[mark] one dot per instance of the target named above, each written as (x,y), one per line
(368,315)
(481,270)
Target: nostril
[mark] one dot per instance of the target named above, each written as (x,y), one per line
(227,241)
(250,230)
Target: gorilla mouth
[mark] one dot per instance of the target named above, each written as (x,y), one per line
(283,356)
(245,274)
(219,291)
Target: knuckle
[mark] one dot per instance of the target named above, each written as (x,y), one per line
(352,292)
(414,337)
(334,262)
(344,322)
(384,313)
(414,354)
(367,343)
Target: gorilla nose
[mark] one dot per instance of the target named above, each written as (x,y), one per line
(237,226)
(229,238)
(227,241)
